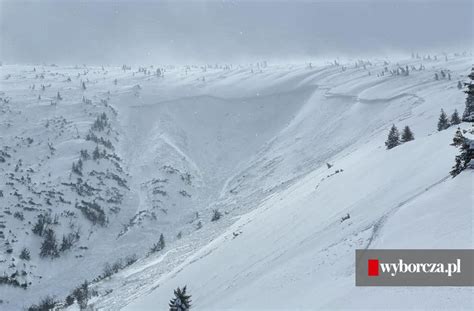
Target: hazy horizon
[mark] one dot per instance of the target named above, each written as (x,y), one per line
(114,32)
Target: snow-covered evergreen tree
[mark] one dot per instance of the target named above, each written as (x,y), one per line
(443,122)
(181,301)
(216,215)
(77,167)
(161,242)
(468,115)
(457,168)
(465,159)
(82,295)
(25,254)
(455,120)
(49,247)
(159,245)
(407,135)
(458,138)
(393,139)
(96,153)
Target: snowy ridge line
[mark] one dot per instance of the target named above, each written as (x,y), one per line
(389,99)
(302,88)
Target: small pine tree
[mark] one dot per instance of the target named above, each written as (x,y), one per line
(455,120)
(82,295)
(46,304)
(49,247)
(77,167)
(68,241)
(459,85)
(181,301)
(161,242)
(464,159)
(468,115)
(85,154)
(457,168)
(393,139)
(44,220)
(25,254)
(69,300)
(159,245)
(407,135)
(96,153)
(216,215)
(458,138)
(443,122)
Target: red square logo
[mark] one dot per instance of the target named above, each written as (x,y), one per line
(373,267)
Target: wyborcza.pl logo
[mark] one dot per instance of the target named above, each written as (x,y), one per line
(403,267)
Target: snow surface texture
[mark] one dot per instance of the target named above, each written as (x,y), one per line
(252,142)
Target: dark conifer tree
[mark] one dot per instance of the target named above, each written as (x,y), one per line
(216,215)
(96,153)
(466,157)
(458,138)
(443,122)
(455,120)
(457,168)
(69,300)
(393,139)
(161,242)
(49,247)
(159,245)
(181,301)
(468,115)
(44,220)
(25,254)
(82,295)
(407,135)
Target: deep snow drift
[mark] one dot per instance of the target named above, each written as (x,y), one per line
(251,142)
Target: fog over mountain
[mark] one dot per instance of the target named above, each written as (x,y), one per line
(209,31)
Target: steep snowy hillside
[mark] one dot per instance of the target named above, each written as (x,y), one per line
(229,163)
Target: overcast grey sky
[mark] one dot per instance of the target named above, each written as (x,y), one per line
(138,31)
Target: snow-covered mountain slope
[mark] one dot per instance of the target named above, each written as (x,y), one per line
(251,142)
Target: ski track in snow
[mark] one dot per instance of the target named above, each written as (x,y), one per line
(377,227)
